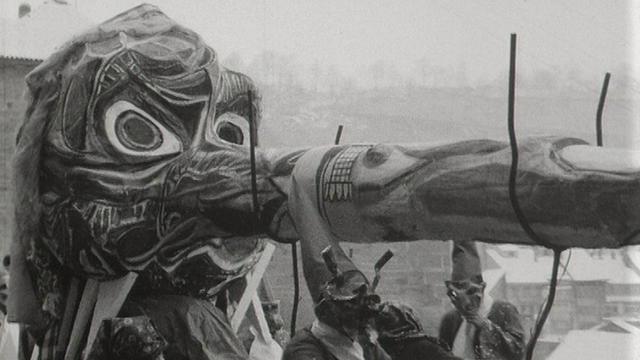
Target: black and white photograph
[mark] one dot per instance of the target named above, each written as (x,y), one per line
(319,179)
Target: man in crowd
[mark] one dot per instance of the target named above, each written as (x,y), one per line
(343,327)
(352,323)
(479,327)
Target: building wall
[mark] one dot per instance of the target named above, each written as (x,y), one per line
(562,316)
(623,308)
(617,306)
(578,305)
(623,289)
(591,299)
(527,298)
(13,103)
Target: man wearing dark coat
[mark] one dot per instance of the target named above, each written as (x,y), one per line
(343,326)
(479,327)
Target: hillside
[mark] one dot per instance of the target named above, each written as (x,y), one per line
(299,118)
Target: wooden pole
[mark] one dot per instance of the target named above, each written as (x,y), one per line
(252,144)
(338,135)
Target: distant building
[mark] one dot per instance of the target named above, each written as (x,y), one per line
(595,285)
(29,32)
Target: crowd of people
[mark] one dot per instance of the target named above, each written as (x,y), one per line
(353,323)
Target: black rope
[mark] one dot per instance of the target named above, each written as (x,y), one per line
(296,287)
(547,307)
(252,147)
(513,173)
(515,204)
(603,96)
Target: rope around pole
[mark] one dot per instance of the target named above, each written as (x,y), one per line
(515,204)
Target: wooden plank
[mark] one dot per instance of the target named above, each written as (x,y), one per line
(111,296)
(73,299)
(264,347)
(253,281)
(257,317)
(83,316)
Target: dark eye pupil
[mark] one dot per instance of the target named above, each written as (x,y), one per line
(137,133)
(231,133)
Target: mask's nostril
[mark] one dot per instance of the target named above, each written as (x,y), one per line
(376,156)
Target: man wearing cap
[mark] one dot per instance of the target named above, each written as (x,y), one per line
(479,327)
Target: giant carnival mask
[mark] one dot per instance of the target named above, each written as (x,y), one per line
(145,156)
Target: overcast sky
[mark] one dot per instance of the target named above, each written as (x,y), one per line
(590,36)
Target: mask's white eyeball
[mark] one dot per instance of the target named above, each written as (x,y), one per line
(133,131)
(231,128)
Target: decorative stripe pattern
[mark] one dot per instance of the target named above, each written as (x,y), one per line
(337,185)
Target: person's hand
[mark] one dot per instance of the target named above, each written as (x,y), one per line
(397,320)
(401,335)
(476,319)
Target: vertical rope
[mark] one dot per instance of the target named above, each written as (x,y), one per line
(296,287)
(252,146)
(513,196)
(547,307)
(513,141)
(603,96)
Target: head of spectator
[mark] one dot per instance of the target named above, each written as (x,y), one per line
(347,303)
(466,285)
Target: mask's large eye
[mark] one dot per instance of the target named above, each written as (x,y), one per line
(133,131)
(137,133)
(230,133)
(231,128)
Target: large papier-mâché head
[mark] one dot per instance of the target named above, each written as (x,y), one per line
(138,145)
